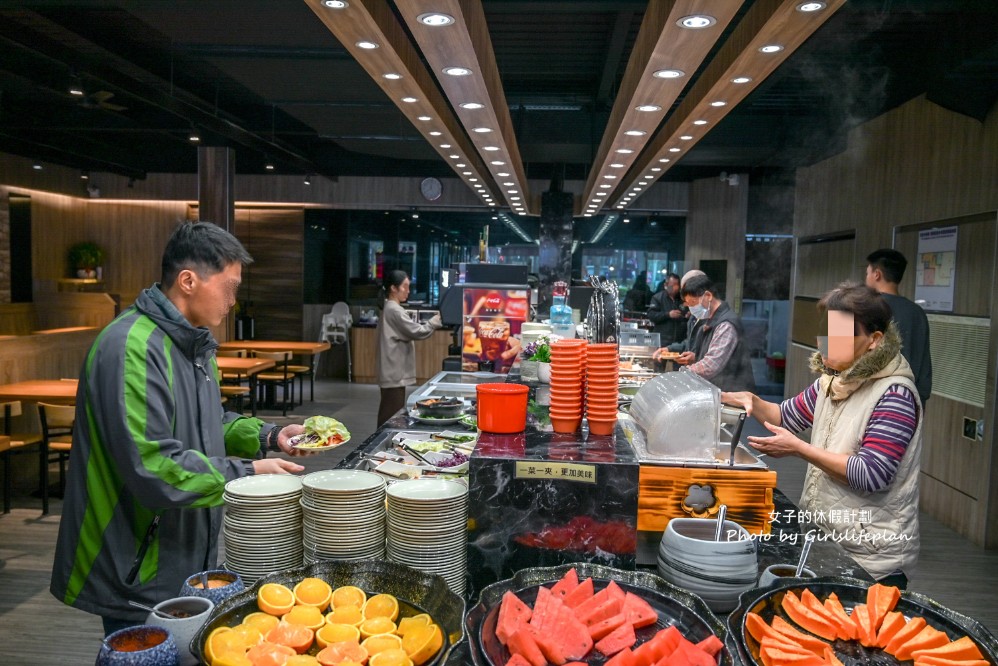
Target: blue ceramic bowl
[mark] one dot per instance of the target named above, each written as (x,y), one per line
(139,646)
(232,584)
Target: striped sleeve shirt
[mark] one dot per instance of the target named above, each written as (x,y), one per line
(888,433)
(722,345)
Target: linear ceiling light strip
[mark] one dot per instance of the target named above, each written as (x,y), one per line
(674,39)
(369,30)
(768,34)
(454,38)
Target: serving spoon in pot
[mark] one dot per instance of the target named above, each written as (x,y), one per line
(152,610)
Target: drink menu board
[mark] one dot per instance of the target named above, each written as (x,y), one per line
(492,316)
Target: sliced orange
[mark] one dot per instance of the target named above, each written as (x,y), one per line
(407,623)
(348,595)
(422,643)
(380,643)
(250,635)
(302,660)
(394,657)
(269,654)
(275,599)
(335,654)
(295,636)
(306,616)
(232,659)
(262,621)
(376,625)
(336,633)
(222,640)
(313,592)
(382,605)
(345,615)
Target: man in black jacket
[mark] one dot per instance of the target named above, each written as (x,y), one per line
(668,313)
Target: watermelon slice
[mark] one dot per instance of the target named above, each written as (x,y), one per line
(614,591)
(590,604)
(893,623)
(550,646)
(711,645)
(807,618)
(522,643)
(880,600)
(661,645)
(517,660)
(689,654)
(620,638)
(541,616)
(571,633)
(638,611)
(623,658)
(512,614)
(582,593)
(847,630)
(609,608)
(568,582)
(906,633)
(926,639)
(601,629)
(961,649)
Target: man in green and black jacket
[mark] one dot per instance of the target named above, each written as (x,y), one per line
(151,444)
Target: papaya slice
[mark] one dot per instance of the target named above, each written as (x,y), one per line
(905,634)
(861,619)
(806,641)
(880,600)
(775,657)
(756,626)
(959,650)
(929,660)
(893,622)
(831,658)
(781,642)
(813,603)
(926,639)
(807,618)
(847,630)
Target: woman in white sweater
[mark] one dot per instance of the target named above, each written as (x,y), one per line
(396,353)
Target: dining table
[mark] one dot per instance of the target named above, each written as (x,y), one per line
(56,391)
(232,365)
(306,348)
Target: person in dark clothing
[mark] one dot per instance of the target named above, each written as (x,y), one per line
(884,271)
(639,295)
(717,352)
(667,312)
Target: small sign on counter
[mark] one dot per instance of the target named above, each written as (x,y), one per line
(555,471)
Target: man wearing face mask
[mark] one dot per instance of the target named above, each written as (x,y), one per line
(866,435)
(717,351)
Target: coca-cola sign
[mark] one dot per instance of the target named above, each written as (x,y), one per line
(493,302)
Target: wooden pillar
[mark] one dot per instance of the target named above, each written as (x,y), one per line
(216,196)
(715,233)
(555,252)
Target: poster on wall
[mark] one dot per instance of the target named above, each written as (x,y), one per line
(935,269)
(492,317)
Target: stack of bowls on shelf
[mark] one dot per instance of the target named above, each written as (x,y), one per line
(262,525)
(602,369)
(568,369)
(344,515)
(428,528)
(531,331)
(718,571)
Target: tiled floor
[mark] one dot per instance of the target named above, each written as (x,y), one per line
(37,629)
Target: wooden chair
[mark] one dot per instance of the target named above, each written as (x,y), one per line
(18,442)
(280,376)
(236,394)
(57,441)
(233,385)
(302,371)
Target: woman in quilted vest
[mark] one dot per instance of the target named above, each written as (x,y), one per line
(865,417)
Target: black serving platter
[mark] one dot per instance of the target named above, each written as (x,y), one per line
(767,602)
(674,606)
(416,591)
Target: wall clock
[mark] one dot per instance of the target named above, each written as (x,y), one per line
(431,189)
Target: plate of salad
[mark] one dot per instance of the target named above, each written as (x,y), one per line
(322,433)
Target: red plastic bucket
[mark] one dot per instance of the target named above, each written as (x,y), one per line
(502,408)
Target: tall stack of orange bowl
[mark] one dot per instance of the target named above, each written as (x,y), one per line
(568,370)
(602,368)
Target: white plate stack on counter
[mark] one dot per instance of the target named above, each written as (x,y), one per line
(262,528)
(427,528)
(344,515)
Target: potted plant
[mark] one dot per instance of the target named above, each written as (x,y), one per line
(86,259)
(539,352)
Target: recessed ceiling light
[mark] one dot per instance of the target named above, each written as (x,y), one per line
(471,106)
(609,176)
(502,174)
(605,186)
(656,168)
(616,165)
(665,160)
(718,103)
(457,71)
(435,19)
(699,122)
(637,189)
(482,130)
(38,167)
(465,173)
(424,118)
(492,203)
(497,162)
(669,74)
(512,191)
(625,151)
(336,4)
(771,48)
(648,108)
(445,145)
(673,150)
(409,100)
(367,45)
(472,180)
(686,137)
(514,198)
(587,215)
(391,76)
(600,194)
(635,132)
(620,205)
(696,21)
(435,133)
(741,79)
(268,167)
(454,157)
(459,166)
(811,6)
(508,184)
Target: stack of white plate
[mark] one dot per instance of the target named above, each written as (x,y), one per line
(262,525)
(428,528)
(344,515)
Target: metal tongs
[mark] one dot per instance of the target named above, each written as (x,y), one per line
(735,437)
(414,453)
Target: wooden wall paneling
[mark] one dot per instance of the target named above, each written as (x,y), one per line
(949,457)
(955,509)
(715,229)
(823,265)
(430,354)
(17,318)
(62,309)
(52,356)
(798,376)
